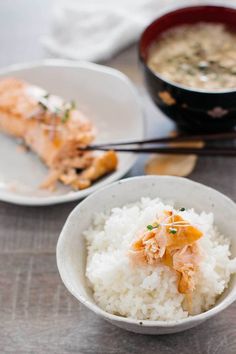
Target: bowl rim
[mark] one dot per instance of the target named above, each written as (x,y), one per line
(61,264)
(172,9)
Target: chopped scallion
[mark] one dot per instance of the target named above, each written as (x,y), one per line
(149,227)
(172,231)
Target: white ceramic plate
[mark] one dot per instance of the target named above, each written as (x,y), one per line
(105,95)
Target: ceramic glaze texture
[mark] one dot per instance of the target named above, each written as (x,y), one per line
(71,248)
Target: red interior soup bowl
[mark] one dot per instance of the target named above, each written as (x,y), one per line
(193,109)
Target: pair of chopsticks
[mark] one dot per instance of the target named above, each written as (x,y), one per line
(142,146)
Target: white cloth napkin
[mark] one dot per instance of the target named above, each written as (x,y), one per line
(95,30)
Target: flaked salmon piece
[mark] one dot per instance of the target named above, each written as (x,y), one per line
(51,180)
(55,130)
(186,234)
(186,261)
(150,247)
(100,166)
(172,241)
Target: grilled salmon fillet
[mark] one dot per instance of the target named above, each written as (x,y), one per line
(55,130)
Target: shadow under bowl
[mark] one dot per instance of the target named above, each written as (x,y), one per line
(192,109)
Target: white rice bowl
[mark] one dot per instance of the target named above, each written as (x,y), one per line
(151,292)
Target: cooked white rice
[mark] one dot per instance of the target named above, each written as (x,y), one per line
(150,292)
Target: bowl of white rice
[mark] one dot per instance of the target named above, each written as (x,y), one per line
(109,259)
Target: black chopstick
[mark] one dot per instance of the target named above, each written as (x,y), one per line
(169,139)
(209,151)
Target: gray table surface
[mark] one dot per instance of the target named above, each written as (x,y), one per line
(37,314)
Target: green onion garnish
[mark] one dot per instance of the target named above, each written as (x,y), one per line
(65,116)
(62,112)
(149,227)
(172,231)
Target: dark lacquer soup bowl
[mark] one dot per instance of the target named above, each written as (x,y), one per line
(191,108)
